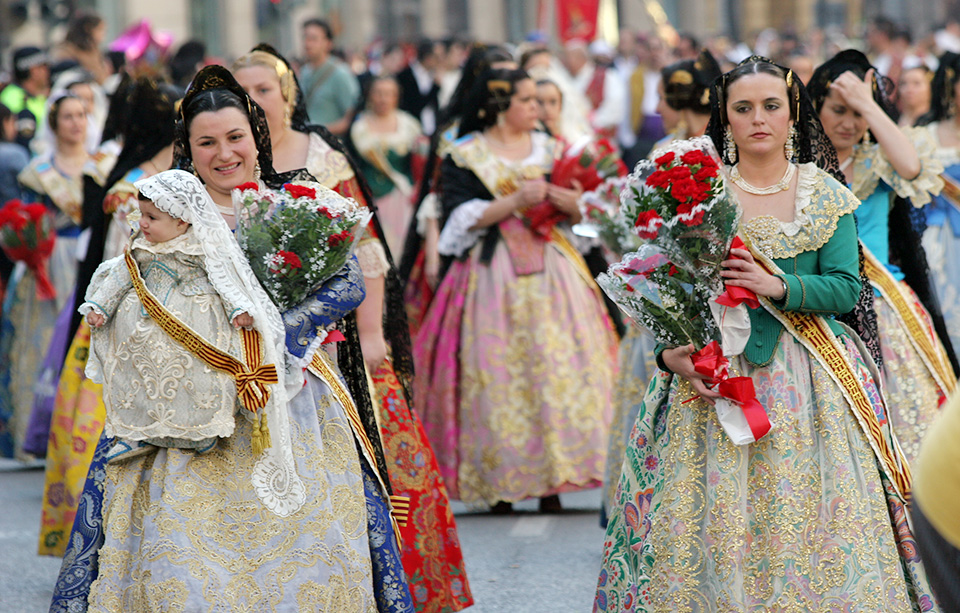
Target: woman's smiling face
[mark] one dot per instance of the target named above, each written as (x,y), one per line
(223,149)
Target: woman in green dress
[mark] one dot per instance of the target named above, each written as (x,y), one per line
(812,516)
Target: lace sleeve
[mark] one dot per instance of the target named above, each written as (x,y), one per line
(372,258)
(338,296)
(109,285)
(429,209)
(457,235)
(925,185)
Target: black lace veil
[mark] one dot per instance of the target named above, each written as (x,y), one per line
(856,62)
(209,80)
(905,227)
(812,145)
(942,103)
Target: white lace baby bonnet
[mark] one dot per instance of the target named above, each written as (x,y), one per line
(180,194)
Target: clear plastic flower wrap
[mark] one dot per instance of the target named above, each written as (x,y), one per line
(296,237)
(601,217)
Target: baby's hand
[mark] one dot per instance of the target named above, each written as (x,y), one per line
(243,320)
(95,319)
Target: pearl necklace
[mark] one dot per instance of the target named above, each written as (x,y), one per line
(780,186)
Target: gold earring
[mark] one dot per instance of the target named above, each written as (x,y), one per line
(729,145)
(790,148)
(256,171)
(287,117)
(866,138)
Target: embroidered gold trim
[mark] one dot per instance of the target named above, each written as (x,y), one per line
(813,333)
(929,348)
(251,377)
(320,365)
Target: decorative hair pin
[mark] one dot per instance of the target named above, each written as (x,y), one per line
(681,77)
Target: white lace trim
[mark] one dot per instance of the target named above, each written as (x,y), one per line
(920,189)
(186,243)
(274,477)
(458,235)
(429,209)
(948,156)
(372,258)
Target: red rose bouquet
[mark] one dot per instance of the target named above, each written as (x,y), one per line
(589,164)
(681,210)
(27,235)
(296,237)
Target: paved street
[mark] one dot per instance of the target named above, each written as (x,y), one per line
(521,563)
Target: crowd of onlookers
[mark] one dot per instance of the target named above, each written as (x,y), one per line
(607,90)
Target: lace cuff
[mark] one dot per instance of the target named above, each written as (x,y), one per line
(457,236)
(925,185)
(372,258)
(109,285)
(429,209)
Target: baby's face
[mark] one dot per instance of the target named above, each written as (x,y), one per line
(157,226)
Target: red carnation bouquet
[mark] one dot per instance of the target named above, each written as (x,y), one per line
(296,237)
(686,219)
(589,164)
(27,235)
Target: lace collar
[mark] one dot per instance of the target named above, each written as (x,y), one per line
(186,244)
(820,202)
(327,165)
(503,177)
(871,167)
(948,156)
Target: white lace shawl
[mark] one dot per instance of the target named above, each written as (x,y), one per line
(182,195)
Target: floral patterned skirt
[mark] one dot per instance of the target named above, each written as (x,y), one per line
(913,396)
(431,551)
(636,364)
(78,418)
(802,520)
(515,379)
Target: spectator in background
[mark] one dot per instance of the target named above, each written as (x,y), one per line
(13,158)
(879,38)
(26,97)
(687,47)
(186,62)
(606,93)
(802,65)
(330,89)
(85,36)
(624,65)
(419,85)
(455,54)
(914,94)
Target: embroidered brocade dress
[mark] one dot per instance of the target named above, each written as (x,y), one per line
(917,375)
(941,240)
(27,324)
(804,519)
(516,355)
(430,547)
(78,411)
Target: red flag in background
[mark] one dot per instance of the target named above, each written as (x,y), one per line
(577,19)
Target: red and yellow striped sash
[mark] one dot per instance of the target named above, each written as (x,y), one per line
(814,333)
(252,377)
(921,336)
(321,366)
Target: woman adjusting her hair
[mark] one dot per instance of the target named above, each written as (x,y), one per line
(891,171)
(701,524)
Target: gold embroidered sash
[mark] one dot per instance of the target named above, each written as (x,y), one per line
(321,366)
(252,377)
(951,190)
(921,337)
(814,333)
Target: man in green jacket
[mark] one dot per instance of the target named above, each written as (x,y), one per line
(27,95)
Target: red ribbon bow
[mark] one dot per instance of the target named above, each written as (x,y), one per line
(733,295)
(711,363)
